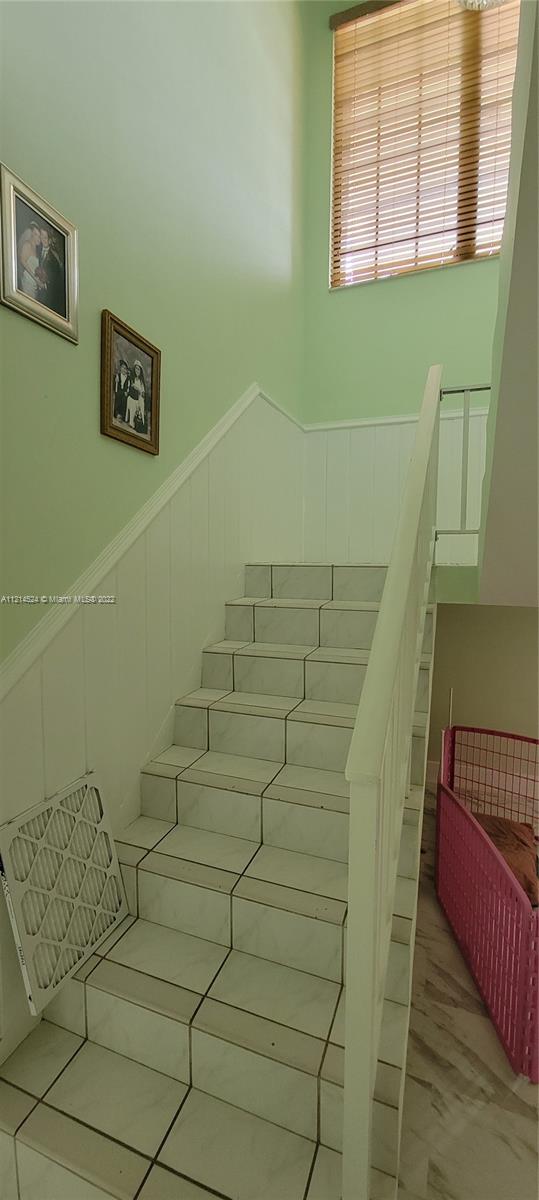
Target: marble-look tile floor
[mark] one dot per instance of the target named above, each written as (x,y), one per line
(470,1125)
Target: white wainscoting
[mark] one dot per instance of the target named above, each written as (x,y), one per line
(353,478)
(93,686)
(100,694)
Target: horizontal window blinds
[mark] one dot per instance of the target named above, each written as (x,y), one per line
(421,137)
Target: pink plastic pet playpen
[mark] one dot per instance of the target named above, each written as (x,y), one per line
(494,920)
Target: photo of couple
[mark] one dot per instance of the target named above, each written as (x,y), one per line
(130,384)
(41,271)
(131,395)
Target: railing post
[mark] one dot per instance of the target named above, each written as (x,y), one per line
(361,1000)
(465,456)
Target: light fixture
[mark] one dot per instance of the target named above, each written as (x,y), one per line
(480,5)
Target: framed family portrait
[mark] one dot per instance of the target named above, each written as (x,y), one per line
(130,371)
(39,274)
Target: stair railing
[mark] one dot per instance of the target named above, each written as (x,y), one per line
(378,769)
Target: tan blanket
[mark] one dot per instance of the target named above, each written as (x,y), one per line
(517,844)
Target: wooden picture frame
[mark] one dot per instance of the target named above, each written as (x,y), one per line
(130,383)
(39,275)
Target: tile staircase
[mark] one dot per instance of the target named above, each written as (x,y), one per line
(205,1037)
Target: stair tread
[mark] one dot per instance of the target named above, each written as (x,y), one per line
(109,1167)
(234,772)
(311,786)
(260,1034)
(213,849)
(247,601)
(325,712)
(179,959)
(246,1150)
(202,697)
(170,972)
(283,994)
(177,756)
(290,602)
(185,871)
(224,647)
(353,605)
(170,765)
(303,872)
(275,650)
(339,654)
(144,832)
(257,703)
(290,899)
(168,999)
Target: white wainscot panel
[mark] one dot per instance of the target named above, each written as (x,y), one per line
(362,474)
(131,721)
(64,707)
(158,618)
(337,517)
(314,496)
(21,746)
(103,695)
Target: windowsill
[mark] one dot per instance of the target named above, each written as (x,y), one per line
(468,262)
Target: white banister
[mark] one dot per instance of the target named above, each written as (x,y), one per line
(378,770)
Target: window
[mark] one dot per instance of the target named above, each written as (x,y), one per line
(421,135)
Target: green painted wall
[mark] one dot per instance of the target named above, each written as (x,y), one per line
(367,348)
(170,134)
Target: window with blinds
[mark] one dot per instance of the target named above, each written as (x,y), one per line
(421,135)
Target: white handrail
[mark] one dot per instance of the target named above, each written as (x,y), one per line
(378,769)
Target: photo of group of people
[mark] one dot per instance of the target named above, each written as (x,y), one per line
(41,273)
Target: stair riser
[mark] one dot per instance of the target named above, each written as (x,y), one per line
(239,622)
(130,882)
(158,797)
(269,1089)
(139,1033)
(418,763)
(331,681)
(306,830)
(340,683)
(315,582)
(302,743)
(322,746)
(359,583)
(217,670)
(234,813)
(184,906)
(269,676)
(290,626)
(347,629)
(191,726)
(399,973)
(294,940)
(385,1127)
(303,942)
(410,855)
(251,736)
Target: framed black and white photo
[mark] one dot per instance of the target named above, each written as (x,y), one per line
(130,372)
(39,274)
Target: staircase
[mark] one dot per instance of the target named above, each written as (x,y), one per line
(205,1037)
